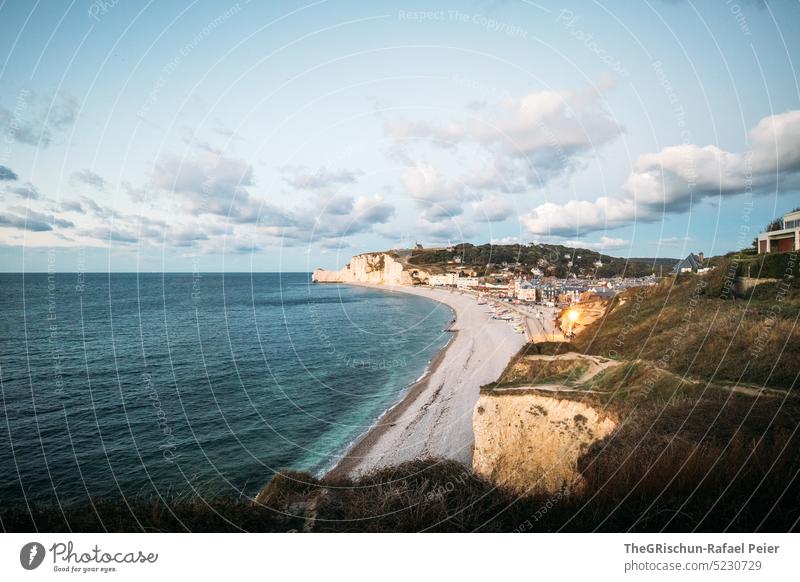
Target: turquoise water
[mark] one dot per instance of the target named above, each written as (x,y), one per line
(128,384)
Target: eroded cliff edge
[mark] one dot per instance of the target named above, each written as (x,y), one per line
(529,435)
(376,268)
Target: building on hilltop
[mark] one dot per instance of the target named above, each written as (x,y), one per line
(691,264)
(783,240)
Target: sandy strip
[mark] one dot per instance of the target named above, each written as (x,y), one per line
(434,419)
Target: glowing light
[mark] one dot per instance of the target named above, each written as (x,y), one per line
(573,315)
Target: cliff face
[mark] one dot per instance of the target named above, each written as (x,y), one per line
(528,442)
(591,308)
(376,268)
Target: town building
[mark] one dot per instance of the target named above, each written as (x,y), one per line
(467,282)
(784,240)
(442,280)
(691,264)
(524,290)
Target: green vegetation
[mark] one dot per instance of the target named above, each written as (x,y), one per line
(692,327)
(525,371)
(750,264)
(618,388)
(552,260)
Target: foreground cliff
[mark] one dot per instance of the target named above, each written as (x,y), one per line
(375,268)
(530,442)
(530,430)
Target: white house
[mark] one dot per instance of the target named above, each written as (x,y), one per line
(524,291)
(786,239)
(466,282)
(442,280)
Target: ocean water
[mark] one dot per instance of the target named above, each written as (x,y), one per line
(207,384)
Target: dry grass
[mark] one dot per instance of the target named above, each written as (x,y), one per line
(692,333)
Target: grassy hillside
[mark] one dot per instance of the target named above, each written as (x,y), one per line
(553,260)
(692,327)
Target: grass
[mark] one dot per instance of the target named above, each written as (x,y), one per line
(526,371)
(687,329)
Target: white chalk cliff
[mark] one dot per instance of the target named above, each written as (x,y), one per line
(376,268)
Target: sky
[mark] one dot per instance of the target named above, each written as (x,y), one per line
(219,136)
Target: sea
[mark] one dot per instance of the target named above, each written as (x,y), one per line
(186,384)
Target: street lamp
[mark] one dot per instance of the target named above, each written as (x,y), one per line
(572,317)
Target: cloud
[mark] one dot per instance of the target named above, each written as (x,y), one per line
(302,178)
(71,206)
(89,178)
(8,220)
(32,214)
(134,193)
(436,197)
(7,173)
(186,236)
(312,224)
(27,191)
(506,240)
(372,210)
(531,140)
(38,120)
(518,145)
(494,209)
(335,244)
(111,233)
(210,184)
(604,244)
(425,185)
(675,241)
(26,219)
(677,177)
(214,194)
(448,230)
(220,128)
(338,204)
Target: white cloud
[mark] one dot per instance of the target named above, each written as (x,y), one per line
(212,184)
(426,185)
(673,179)
(530,140)
(506,240)
(40,119)
(89,178)
(372,210)
(448,230)
(494,209)
(302,178)
(604,244)
(26,190)
(675,241)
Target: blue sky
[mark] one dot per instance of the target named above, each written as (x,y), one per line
(285,136)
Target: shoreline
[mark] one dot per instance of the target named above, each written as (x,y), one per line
(434,416)
(362,446)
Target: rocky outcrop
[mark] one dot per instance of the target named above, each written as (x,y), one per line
(375,268)
(590,308)
(528,442)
